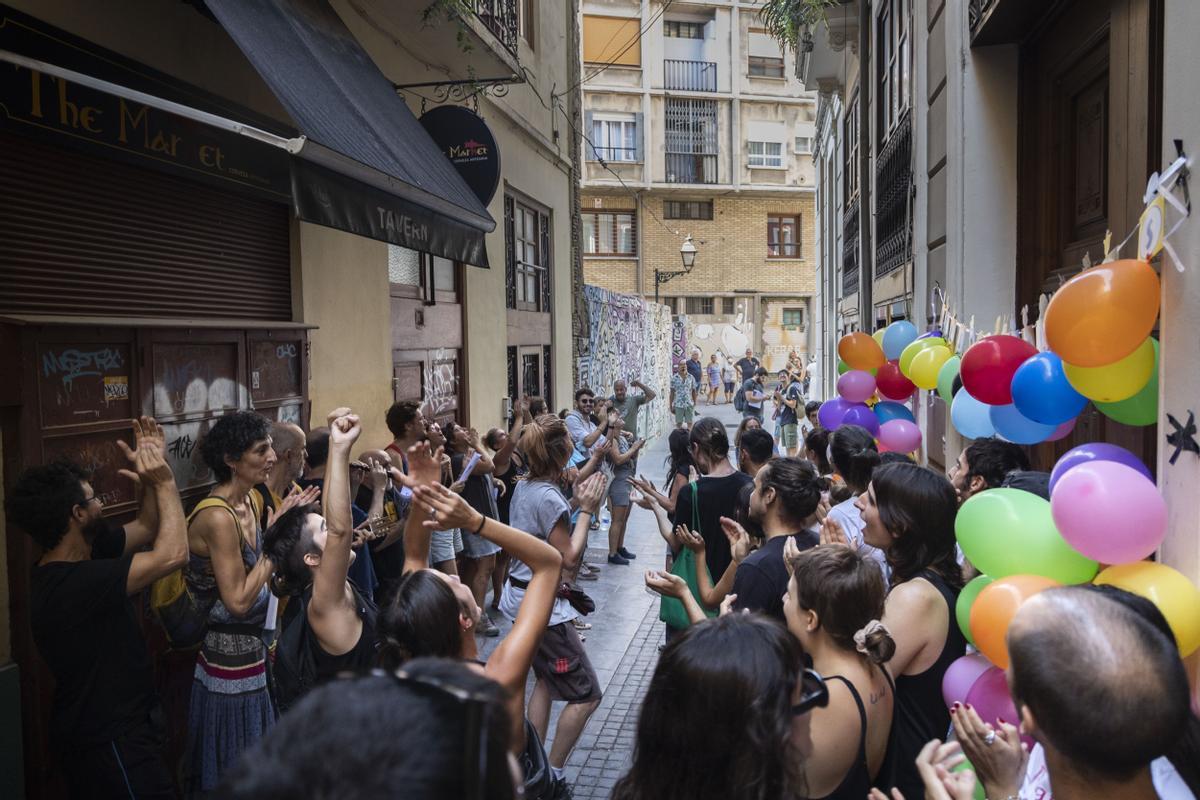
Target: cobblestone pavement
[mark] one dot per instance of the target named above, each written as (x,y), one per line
(624,639)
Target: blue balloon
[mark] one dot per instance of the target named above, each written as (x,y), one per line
(887,411)
(896,337)
(971,417)
(1018,428)
(1041,393)
(860,414)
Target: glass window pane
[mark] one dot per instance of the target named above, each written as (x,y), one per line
(443,274)
(589,233)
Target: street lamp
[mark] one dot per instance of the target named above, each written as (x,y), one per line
(687,252)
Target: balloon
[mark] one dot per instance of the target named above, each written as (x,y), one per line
(1011,532)
(888,410)
(946,376)
(927,365)
(860,351)
(1104,314)
(1109,512)
(966,598)
(961,676)
(1096,451)
(856,386)
(843,367)
(971,418)
(1176,597)
(892,384)
(1062,431)
(988,367)
(859,414)
(878,336)
(1016,427)
(931,334)
(994,610)
(1142,408)
(1118,381)
(896,337)
(1041,392)
(915,349)
(900,435)
(831,412)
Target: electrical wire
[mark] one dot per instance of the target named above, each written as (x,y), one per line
(624,50)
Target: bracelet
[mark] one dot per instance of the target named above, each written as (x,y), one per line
(585,511)
(482,522)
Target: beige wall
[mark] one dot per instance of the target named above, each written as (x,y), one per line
(344,291)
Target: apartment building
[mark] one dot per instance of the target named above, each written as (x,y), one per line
(695,125)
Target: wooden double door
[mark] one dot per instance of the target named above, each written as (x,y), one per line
(1089,122)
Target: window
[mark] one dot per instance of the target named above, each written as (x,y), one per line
(804,145)
(765,67)
(612,40)
(691,140)
(893,74)
(676,29)
(688,209)
(793,318)
(671,303)
(615,138)
(525,21)
(766,154)
(698,305)
(783,236)
(527,239)
(609,233)
(850,139)
(728,306)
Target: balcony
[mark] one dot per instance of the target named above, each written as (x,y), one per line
(893,200)
(690,76)
(850,271)
(691,168)
(821,57)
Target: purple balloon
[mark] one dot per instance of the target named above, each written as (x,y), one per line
(860,414)
(856,385)
(900,435)
(831,413)
(931,335)
(961,676)
(1096,451)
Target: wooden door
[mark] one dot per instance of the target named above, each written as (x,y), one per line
(1089,131)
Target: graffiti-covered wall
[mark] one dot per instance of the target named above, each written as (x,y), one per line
(628,338)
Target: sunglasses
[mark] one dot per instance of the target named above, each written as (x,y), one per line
(813,693)
(585,402)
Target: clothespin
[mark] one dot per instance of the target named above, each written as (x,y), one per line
(1040,325)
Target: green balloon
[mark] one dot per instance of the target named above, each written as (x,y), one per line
(979,794)
(946,376)
(1142,408)
(843,367)
(1011,532)
(966,599)
(910,352)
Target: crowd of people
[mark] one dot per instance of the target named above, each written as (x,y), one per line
(336,591)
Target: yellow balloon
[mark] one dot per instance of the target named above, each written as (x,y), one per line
(910,352)
(925,366)
(1176,597)
(878,335)
(1117,381)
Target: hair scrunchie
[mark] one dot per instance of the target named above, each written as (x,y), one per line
(860,638)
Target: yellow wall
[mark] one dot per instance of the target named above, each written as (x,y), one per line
(343,286)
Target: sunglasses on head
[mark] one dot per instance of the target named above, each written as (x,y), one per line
(813,693)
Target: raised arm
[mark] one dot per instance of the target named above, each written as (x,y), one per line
(424,469)
(504,455)
(485,465)
(571,545)
(170,551)
(620,458)
(140,531)
(327,609)
(649,393)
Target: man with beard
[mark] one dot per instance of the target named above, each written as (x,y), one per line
(983,465)
(107,724)
(785,499)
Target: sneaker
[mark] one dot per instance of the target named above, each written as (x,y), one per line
(487,627)
(590,566)
(626,553)
(618,559)
(580,625)
(587,576)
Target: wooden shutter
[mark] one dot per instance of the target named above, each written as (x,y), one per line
(547,260)
(547,380)
(88,236)
(510,254)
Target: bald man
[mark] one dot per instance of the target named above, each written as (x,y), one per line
(1100,688)
(288,442)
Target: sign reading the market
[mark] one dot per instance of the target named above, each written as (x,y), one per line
(468,142)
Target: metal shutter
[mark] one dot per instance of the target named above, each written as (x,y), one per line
(89,236)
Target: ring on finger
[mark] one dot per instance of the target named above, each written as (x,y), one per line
(990,738)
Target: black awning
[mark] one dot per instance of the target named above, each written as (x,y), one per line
(361,136)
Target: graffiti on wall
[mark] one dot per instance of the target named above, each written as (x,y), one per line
(440,384)
(679,340)
(627,338)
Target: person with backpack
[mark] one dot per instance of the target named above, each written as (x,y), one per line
(791,399)
(107,723)
(754,394)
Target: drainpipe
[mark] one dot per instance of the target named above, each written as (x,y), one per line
(866,145)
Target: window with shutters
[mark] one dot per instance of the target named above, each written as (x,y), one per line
(728,306)
(892,64)
(688,209)
(527,256)
(614,138)
(609,233)
(698,305)
(612,40)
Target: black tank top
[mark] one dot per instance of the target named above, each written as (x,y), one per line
(509,479)
(357,658)
(921,713)
(857,783)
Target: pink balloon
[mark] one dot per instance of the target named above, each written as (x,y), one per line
(856,386)
(961,676)
(1063,431)
(1109,512)
(992,701)
(900,435)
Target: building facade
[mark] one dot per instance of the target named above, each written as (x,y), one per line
(1025,132)
(156,260)
(694,125)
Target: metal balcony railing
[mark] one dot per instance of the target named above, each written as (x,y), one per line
(850,271)
(690,76)
(691,168)
(500,17)
(893,200)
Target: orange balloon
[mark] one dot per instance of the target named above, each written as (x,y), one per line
(860,351)
(994,609)
(1104,314)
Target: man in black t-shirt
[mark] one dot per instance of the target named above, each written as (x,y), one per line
(748,365)
(786,495)
(107,724)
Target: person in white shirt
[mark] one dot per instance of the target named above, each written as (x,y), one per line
(854,456)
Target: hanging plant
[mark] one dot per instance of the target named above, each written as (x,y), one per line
(785,20)
(450,12)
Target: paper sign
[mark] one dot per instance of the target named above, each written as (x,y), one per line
(471,462)
(1150,229)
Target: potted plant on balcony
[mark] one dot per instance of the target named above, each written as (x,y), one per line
(787,20)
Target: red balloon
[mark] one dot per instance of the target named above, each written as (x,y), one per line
(891,382)
(988,366)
